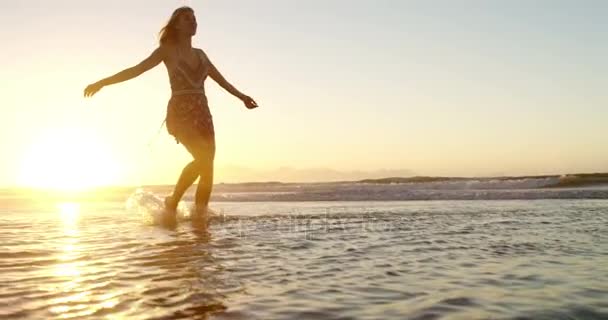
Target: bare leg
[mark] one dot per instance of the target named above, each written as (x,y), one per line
(186,179)
(203,151)
(205,184)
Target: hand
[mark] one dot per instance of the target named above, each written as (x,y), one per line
(92,89)
(249,102)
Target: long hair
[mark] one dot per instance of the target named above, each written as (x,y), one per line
(168,34)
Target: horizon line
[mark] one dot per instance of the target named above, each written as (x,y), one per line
(504,177)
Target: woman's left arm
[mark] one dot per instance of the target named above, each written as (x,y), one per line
(215,74)
(219,78)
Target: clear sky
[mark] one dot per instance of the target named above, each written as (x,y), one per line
(347,89)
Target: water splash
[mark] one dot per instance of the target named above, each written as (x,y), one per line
(152,208)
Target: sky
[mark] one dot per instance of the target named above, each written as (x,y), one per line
(347,89)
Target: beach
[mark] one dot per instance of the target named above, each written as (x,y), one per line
(96,257)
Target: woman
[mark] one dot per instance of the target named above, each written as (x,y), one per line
(188,118)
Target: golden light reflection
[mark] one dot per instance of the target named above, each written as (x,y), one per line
(67,270)
(69,213)
(78,297)
(109,300)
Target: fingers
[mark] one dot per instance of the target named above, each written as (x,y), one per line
(251,104)
(90,90)
(255,104)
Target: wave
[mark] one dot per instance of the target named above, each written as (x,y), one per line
(506,182)
(582,180)
(574,186)
(365,193)
(571,186)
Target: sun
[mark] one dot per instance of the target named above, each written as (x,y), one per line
(68,159)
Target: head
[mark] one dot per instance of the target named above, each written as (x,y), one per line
(181,24)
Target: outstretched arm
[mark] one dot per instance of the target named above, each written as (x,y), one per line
(148,63)
(219,78)
(215,74)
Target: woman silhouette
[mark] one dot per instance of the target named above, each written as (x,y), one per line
(188,117)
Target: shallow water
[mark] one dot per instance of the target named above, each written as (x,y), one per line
(541,259)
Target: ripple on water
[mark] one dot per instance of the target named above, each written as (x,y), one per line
(478,261)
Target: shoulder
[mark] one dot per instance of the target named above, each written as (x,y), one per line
(202,53)
(165,49)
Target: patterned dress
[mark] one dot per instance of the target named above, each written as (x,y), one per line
(188,115)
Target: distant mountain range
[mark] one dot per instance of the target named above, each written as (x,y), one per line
(235,174)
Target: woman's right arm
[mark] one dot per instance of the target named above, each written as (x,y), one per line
(148,63)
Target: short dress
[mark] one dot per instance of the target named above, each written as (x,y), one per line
(188,115)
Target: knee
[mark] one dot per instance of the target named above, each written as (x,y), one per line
(204,164)
(206,155)
(191,166)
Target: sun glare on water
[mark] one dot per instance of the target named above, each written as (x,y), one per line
(68,160)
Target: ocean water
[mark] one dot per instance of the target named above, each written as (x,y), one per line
(512,250)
